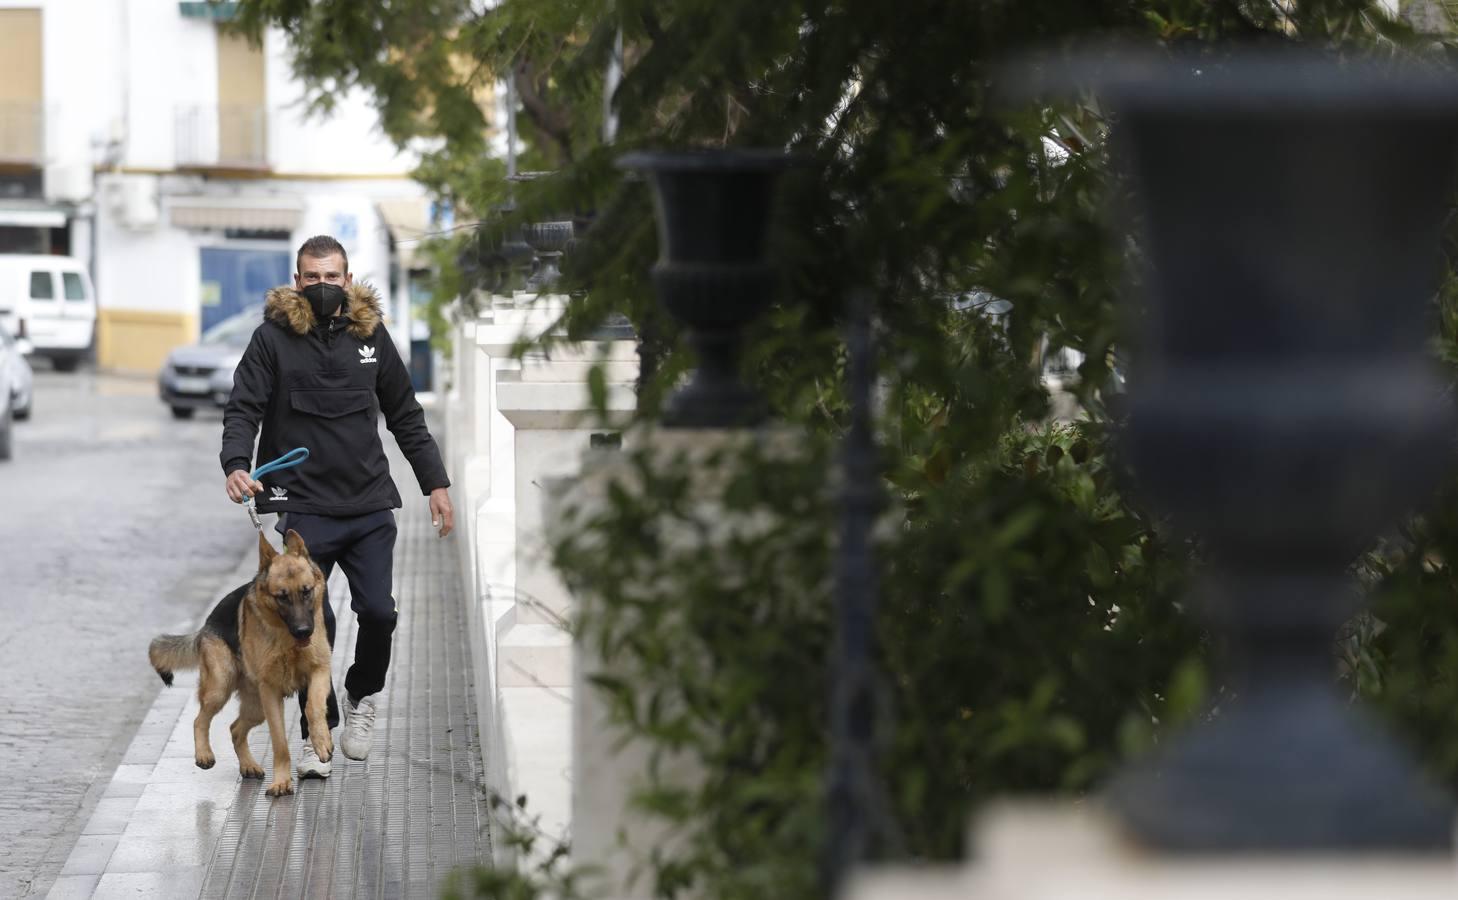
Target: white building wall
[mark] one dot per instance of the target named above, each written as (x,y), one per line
(170,62)
(157,269)
(150,271)
(350,141)
(143,61)
(80,100)
(351,217)
(117,72)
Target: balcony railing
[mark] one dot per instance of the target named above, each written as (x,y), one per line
(222,136)
(22,133)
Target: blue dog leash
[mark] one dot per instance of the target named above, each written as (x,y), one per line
(289,459)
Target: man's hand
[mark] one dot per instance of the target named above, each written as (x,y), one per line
(240,485)
(441,514)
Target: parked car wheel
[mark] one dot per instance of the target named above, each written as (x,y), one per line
(66,363)
(21,413)
(6,430)
(182,412)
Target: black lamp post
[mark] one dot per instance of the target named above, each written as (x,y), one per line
(1282,406)
(713,210)
(857,817)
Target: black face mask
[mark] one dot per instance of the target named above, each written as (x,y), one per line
(324,299)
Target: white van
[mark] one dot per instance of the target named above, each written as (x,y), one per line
(49,300)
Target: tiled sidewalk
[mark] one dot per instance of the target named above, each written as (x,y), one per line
(393,826)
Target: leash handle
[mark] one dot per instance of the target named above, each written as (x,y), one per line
(288,460)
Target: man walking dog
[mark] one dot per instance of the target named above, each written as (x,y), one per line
(318,373)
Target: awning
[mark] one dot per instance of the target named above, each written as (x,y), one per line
(221,214)
(408,219)
(32,217)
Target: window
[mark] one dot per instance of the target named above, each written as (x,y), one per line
(242,92)
(41,286)
(74,289)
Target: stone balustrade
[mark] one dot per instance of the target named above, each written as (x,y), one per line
(512,424)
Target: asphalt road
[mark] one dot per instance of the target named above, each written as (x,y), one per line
(113,527)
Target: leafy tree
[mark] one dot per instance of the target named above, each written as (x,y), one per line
(1031,628)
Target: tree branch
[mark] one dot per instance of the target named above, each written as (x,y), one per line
(652,25)
(553,122)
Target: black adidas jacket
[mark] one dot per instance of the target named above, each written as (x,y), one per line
(324,387)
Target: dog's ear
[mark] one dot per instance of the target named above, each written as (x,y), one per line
(266,553)
(294,544)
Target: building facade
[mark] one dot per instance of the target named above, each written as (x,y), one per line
(181,163)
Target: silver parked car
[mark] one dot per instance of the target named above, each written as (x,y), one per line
(201,375)
(8,351)
(22,379)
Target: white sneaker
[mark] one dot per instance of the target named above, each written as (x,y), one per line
(359,726)
(310,765)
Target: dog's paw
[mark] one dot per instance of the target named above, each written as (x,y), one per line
(205,762)
(279,788)
(325,748)
(250,770)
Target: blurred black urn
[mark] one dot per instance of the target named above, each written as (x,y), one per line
(1284,407)
(713,211)
(548,239)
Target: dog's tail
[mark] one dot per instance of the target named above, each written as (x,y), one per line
(170,652)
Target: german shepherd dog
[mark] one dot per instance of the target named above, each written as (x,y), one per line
(265,640)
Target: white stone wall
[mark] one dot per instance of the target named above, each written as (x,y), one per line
(609,835)
(1074,852)
(512,427)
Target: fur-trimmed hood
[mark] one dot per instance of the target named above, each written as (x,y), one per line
(291,309)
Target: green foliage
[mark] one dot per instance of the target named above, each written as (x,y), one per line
(1403,654)
(710,599)
(1030,625)
(1042,639)
(545,861)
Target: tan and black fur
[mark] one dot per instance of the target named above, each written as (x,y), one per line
(265,640)
(289,308)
